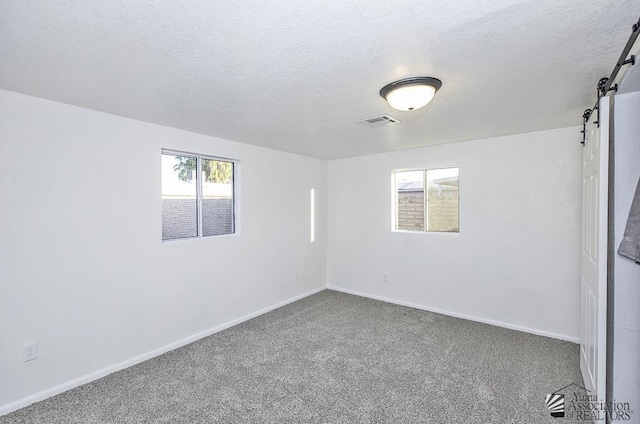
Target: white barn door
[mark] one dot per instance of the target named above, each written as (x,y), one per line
(595,159)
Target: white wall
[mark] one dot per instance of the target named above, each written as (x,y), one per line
(626,361)
(516,260)
(83,270)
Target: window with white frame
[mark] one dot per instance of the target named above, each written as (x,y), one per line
(426,200)
(198,195)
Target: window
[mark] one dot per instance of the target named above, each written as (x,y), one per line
(434,209)
(197,195)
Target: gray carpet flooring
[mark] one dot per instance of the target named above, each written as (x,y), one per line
(332,358)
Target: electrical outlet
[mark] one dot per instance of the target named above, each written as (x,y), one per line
(29,352)
(385,278)
(296,276)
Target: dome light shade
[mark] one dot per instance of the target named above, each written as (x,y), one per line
(410,93)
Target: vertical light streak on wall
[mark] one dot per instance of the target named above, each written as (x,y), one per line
(394,201)
(313,215)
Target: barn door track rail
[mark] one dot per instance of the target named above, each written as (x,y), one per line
(605,84)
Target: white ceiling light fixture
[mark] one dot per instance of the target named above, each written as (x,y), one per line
(410,93)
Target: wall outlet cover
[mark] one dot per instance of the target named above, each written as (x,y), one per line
(29,352)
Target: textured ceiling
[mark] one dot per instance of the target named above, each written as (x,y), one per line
(295,76)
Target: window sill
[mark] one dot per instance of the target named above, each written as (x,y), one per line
(219,236)
(449,233)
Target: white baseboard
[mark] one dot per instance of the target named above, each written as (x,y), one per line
(459,315)
(21,403)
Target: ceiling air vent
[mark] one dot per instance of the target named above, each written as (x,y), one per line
(378,121)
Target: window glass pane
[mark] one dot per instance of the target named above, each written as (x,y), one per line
(179,194)
(442,200)
(410,200)
(217,197)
